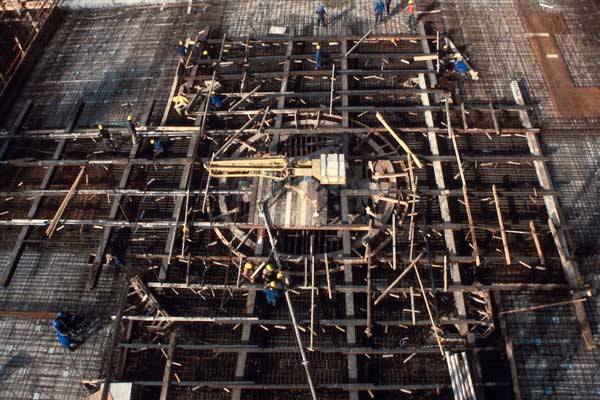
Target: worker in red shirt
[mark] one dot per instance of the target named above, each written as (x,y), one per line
(410,19)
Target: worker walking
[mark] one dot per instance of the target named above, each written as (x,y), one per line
(248,270)
(379,9)
(410,16)
(181,51)
(388,7)
(318,58)
(131,129)
(106,138)
(321,14)
(271,292)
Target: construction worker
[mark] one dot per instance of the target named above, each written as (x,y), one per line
(65,341)
(268,273)
(65,328)
(131,129)
(272,293)
(318,58)
(106,138)
(216,100)
(158,147)
(410,16)
(388,7)
(460,66)
(118,249)
(248,270)
(321,14)
(181,51)
(379,9)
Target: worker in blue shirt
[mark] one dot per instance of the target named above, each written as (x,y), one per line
(65,341)
(460,67)
(321,13)
(216,100)
(272,293)
(65,328)
(158,147)
(181,51)
(318,58)
(379,9)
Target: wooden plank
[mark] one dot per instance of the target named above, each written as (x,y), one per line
(164,391)
(398,279)
(536,241)
(433,324)
(397,138)
(64,204)
(501,223)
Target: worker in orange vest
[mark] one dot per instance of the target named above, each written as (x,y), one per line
(410,19)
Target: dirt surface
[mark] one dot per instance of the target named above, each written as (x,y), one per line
(569,100)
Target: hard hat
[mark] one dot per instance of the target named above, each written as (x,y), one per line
(213,92)
(56,323)
(205,53)
(273,284)
(151,141)
(269,267)
(181,42)
(60,314)
(280,275)
(248,265)
(100,126)
(129,118)
(410,1)
(318,47)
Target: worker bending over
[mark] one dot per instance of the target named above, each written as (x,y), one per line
(269,273)
(65,329)
(248,270)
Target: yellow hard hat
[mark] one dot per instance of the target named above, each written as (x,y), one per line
(248,265)
(280,275)
(129,118)
(410,1)
(318,47)
(180,42)
(205,53)
(100,126)
(151,141)
(273,284)
(213,92)
(269,267)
